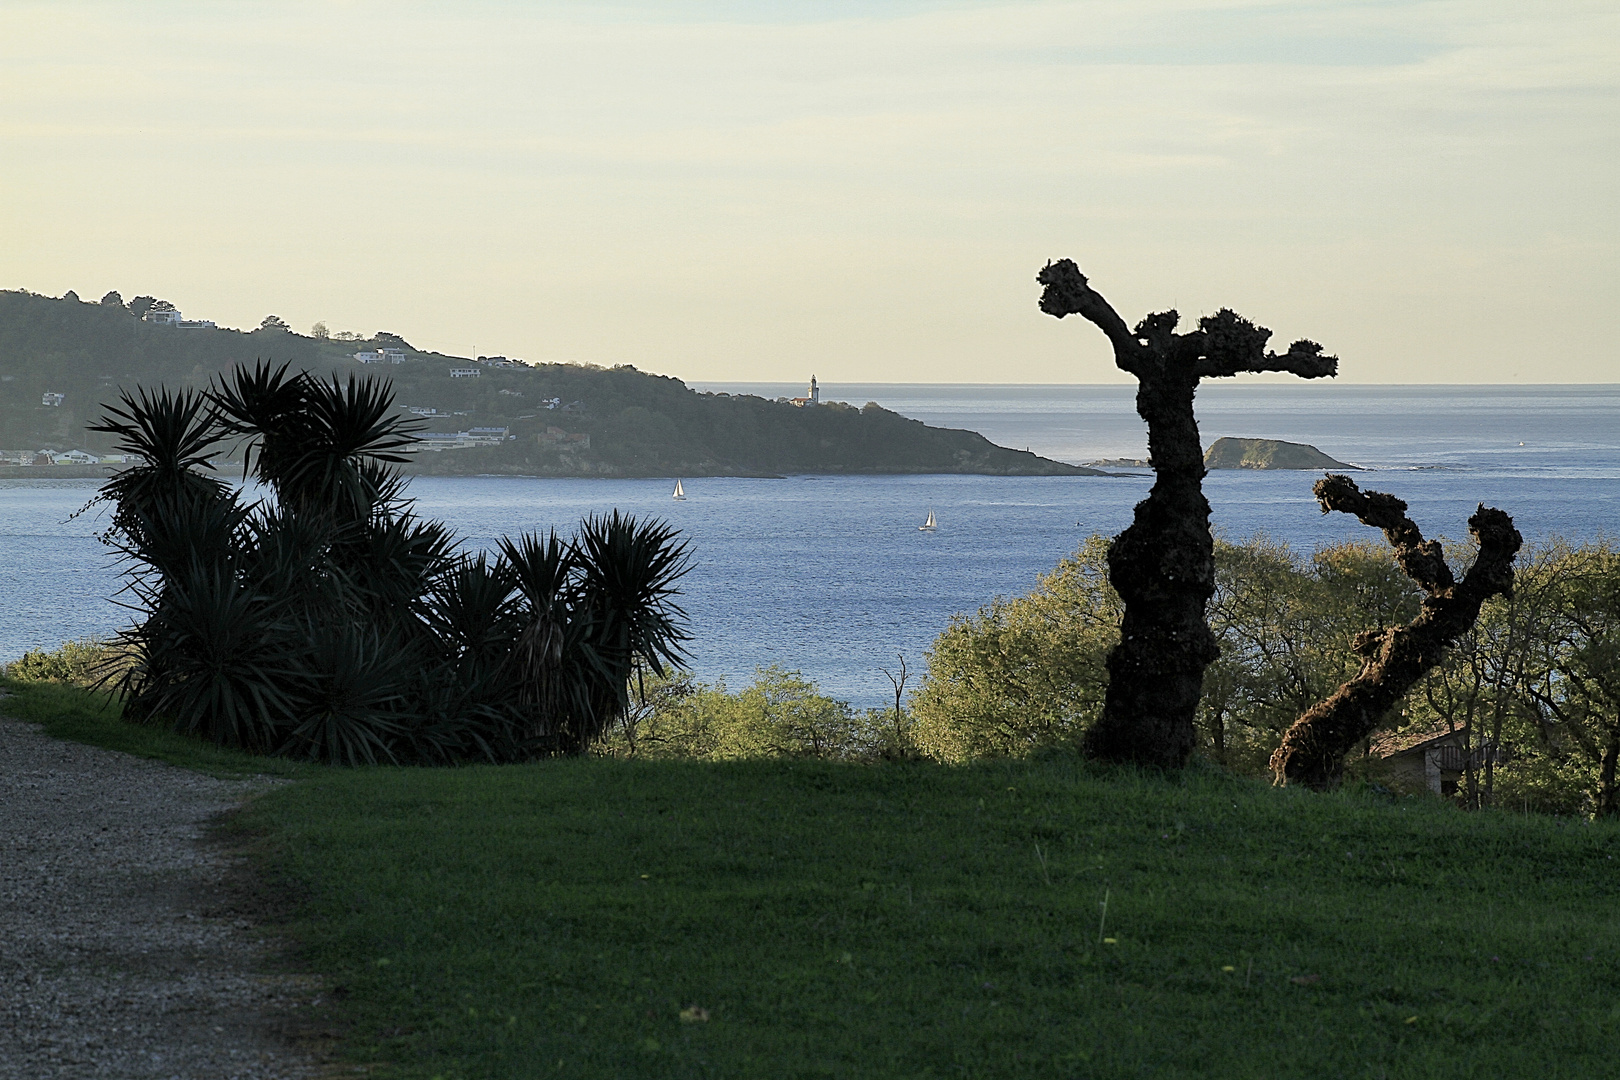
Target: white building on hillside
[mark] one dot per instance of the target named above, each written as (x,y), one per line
(170,316)
(381,356)
(813,400)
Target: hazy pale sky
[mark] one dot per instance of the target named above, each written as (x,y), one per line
(756,191)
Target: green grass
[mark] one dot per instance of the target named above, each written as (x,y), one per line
(88,716)
(555,919)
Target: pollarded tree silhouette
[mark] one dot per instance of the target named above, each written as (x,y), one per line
(1163,565)
(1314,748)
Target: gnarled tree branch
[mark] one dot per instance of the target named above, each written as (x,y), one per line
(1314,748)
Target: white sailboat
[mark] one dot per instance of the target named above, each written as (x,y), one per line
(930,525)
(680,492)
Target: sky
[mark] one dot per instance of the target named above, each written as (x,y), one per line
(864,191)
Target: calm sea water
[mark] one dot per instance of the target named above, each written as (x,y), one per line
(830,575)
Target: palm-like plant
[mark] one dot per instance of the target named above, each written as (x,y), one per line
(215,658)
(629,571)
(318,445)
(552,666)
(331,622)
(173,435)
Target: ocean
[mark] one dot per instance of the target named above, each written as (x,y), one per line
(830,576)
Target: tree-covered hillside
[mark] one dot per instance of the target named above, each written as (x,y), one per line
(637,424)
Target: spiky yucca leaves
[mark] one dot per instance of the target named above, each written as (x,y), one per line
(215,658)
(283,555)
(472,620)
(173,434)
(165,535)
(391,567)
(628,575)
(319,445)
(552,665)
(353,710)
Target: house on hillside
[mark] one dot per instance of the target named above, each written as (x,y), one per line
(435,441)
(381,356)
(465,373)
(75,457)
(54,400)
(1435,763)
(170,316)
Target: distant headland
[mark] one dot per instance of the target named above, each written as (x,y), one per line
(62,358)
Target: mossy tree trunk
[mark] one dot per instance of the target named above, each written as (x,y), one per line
(1163,565)
(1314,748)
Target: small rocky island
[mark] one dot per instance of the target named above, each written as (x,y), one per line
(1267,454)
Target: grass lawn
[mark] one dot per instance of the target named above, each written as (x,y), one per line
(602,918)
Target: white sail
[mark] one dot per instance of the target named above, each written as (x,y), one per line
(680,492)
(929,525)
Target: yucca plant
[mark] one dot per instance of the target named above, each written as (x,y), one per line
(216,659)
(330,622)
(354,708)
(173,434)
(321,446)
(628,575)
(552,666)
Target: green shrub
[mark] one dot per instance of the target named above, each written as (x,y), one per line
(1023,673)
(781,714)
(83,663)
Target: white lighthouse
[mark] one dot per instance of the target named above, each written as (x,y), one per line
(813,400)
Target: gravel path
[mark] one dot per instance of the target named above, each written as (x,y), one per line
(122,954)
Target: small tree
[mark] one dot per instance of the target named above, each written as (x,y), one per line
(275,324)
(1163,565)
(1313,750)
(112,299)
(319,332)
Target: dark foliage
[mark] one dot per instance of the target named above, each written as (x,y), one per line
(329,622)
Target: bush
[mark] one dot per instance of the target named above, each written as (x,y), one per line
(84,662)
(329,622)
(1023,673)
(781,714)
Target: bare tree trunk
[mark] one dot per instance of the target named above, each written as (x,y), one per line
(1313,749)
(1163,565)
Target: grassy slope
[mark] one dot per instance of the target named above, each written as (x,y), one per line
(554,919)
